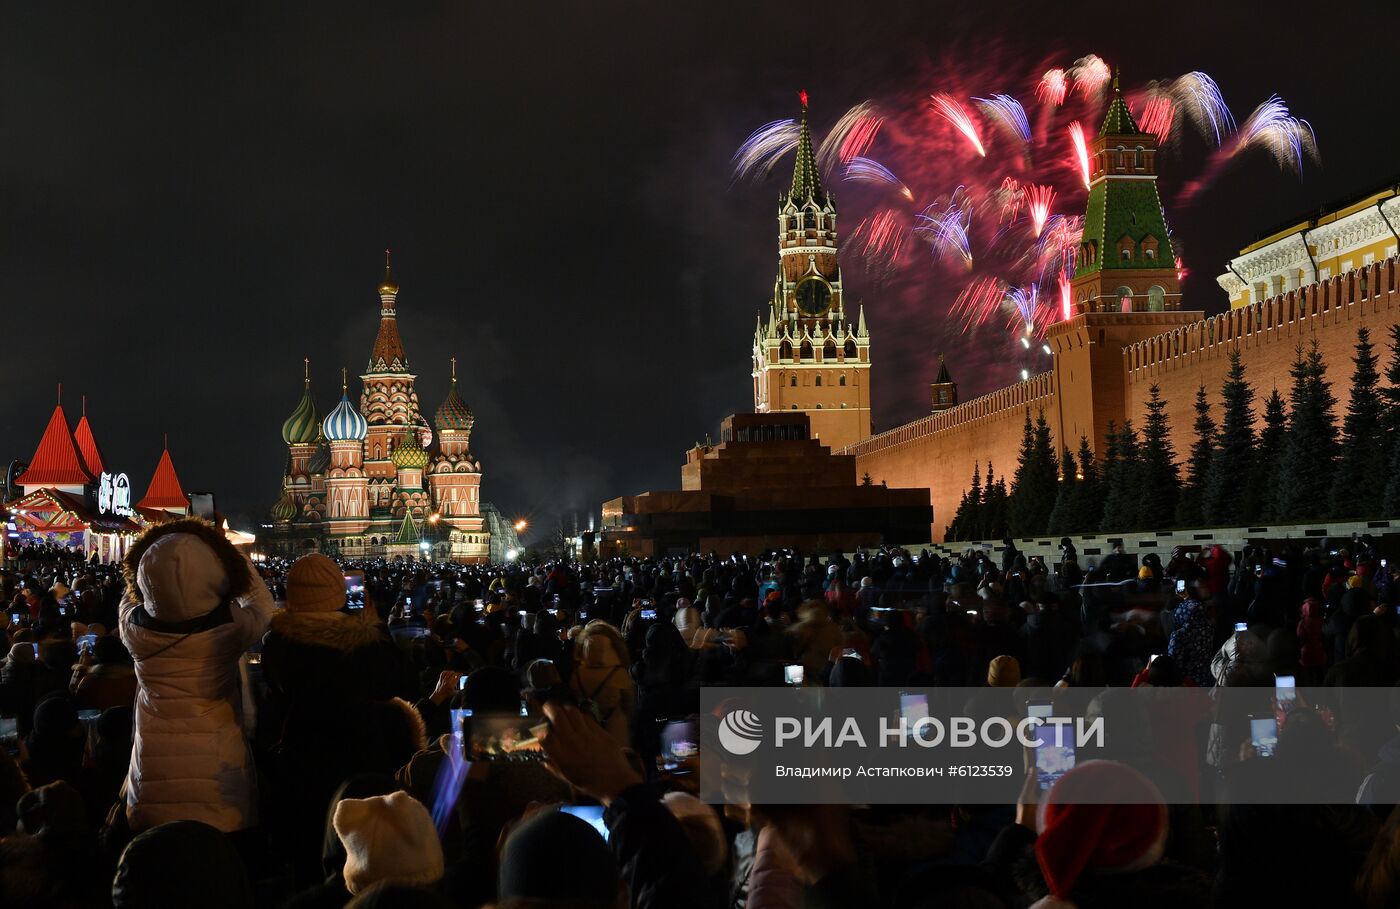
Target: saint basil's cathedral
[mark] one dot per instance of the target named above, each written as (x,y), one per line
(374,479)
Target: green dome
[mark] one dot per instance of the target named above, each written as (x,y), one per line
(284,510)
(410,454)
(302,426)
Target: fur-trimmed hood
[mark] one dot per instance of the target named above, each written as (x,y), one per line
(344,632)
(235,566)
(184,569)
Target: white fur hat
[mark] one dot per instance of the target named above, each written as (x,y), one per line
(388,838)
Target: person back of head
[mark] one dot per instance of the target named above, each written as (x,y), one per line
(388,838)
(184,570)
(702,827)
(315,583)
(557,857)
(168,864)
(398,896)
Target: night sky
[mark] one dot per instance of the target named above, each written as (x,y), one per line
(196,198)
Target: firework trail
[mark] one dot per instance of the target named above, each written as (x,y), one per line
(1053,87)
(850,138)
(1199,96)
(881,237)
(1008,198)
(864,170)
(1066,298)
(954,113)
(1038,202)
(764,148)
(1287,139)
(1090,74)
(1081,150)
(979,302)
(1158,115)
(1056,247)
(1009,114)
(946,225)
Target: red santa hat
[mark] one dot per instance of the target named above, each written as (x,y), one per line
(1103,817)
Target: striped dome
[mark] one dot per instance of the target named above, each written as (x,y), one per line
(454,414)
(345,423)
(410,454)
(301,426)
(284,510)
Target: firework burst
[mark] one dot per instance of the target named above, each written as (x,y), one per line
(850,138)
(1053,87)
(1038,202)
(764,148)
(954,113)
(1287,139)
(946,225)
(1081,151)
(1008,113)
(865,170)
(1090,74)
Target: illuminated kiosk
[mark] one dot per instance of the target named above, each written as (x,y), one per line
(69,499)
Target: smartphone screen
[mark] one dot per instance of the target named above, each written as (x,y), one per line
(461,683)
(1286,691)
(1263,734)
(648,614)
(1039,709)
(793,674)
(680,742)
(87,642)
(1181,585)
(1054,756)
(593,814)
(1241,626)
(913,707)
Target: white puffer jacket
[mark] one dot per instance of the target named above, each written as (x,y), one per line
(194,604)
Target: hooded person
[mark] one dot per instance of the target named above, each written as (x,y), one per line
(688,623)
(332,676)
(193,605)
(600,677)
(169,864)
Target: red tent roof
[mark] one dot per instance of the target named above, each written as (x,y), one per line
(165,490)
(56,461)
(87,446)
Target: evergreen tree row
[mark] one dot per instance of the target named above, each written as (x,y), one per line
(1295,467)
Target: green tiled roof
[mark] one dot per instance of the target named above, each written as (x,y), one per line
(1119,120)
(1125,207)
(806,181)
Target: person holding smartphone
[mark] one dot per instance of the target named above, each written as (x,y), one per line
(1192,637)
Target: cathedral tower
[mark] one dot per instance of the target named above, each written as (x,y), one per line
(388,402)
(301,433)
(455,479)
(347,489)
(807,356)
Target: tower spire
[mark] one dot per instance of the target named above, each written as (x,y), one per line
(806,181)
(454,370)
(388,287)
(306,371)
(344,382)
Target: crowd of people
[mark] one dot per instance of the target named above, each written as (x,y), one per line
(194,728)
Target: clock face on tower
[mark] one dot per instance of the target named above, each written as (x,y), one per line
(813,297)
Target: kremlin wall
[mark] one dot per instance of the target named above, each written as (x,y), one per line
(1128,332)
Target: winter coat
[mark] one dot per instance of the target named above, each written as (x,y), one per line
(193,605)
(332,678)
(653,852)
(1314,652)
(601,678)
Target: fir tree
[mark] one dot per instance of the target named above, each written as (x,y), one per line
(1390,418)
(1087,513)
(1189,512)
(1310,445)
(1065,495)
(1122,508)
(1161,480)
(995,506)
(1033,490)
(1260,499)
(967,517)
(1363,459)
(1234,449)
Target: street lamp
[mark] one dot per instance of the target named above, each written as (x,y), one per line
(511,554)
(520,525)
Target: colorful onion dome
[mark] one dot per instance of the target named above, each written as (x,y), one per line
(410,454)
(320,459)
(345,423)
(284,510)
(301,427)
(453,413)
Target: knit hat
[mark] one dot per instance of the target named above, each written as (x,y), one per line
(387,838)
(21,653)
(315,584)
(1004,672)
(1125,830)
